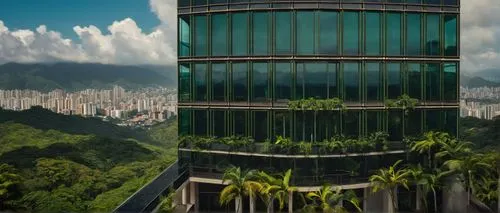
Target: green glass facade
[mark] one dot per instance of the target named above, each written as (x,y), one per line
(241,61)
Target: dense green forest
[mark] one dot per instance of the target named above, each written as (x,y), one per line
(78,76)
(485,134)
(57,163)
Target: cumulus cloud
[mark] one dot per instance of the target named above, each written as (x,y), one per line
(480,35)
(124,43)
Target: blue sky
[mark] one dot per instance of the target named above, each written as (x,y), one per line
(63,15)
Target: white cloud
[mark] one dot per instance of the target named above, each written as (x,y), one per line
(125,43)
(480,35)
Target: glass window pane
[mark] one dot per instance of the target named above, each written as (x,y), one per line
(373,33)
(184,83)
(374,89)
(414,123)
(219,34)
(283,37)
(393,31)
(184,122)
(200,35)
(283,78)
(414,81)
(200,75)
(433,120)
(218,82)
(333,90)
(200,122)
(351,123)
(450,82)
(260,33)
(184,36)
(394,86)
(316,80)
(328,31)
(239,123)
(218,123)
(432,41)
(282,124)
(374,121)
(436,2)
(260,133)
(450,2)
(240,82)
(451,121)
(450,35)
(260,81)
(304,126)
(395,125)
(413,34)
(351,33)
(199,2)
(299,81)
(239,34)
(305,33)
(433,85)
(351,82)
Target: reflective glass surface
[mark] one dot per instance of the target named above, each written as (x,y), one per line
(432,41)
(184,82)
(351,123)
(316,80)
(219,75)
(239,34)
(328,31)
(374,82)
(239,123)
(394,87)
(260,80)
(450,35)
(373,33)
(414,80)
(433,82)
(219,34)
(450,82)
(260,124)
(260,31)
(184,36)
(351,82)
(240,81)
(283,78)
(218,123)
(200,123)
(283,30)
(413,34)
(305,33)
(350,33)
(200,79)
(200,35)
(393,32)
(333,88)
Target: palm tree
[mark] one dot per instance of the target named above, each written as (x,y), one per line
(278,189)
(432,140)
(240,185)
(389,179)
(329,199)
(453,149)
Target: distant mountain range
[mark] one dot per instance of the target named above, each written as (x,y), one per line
(78,76)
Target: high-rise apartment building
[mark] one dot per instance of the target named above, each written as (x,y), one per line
(241,62)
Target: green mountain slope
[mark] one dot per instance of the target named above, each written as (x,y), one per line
(75,76)
(54,167)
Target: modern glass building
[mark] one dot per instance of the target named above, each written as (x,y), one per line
(240,62)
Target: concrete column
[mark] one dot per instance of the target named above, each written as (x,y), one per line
(366,192)
(418,202)
(184,193)
(374,202)
(193,195)
(454,196)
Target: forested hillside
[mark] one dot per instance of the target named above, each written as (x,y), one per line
(62,166)
(76,76)
(485,134)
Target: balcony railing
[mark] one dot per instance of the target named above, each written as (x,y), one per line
(149,197)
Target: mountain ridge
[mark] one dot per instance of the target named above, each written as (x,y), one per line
(78,76)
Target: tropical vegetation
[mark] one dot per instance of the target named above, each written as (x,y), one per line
(75,164)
